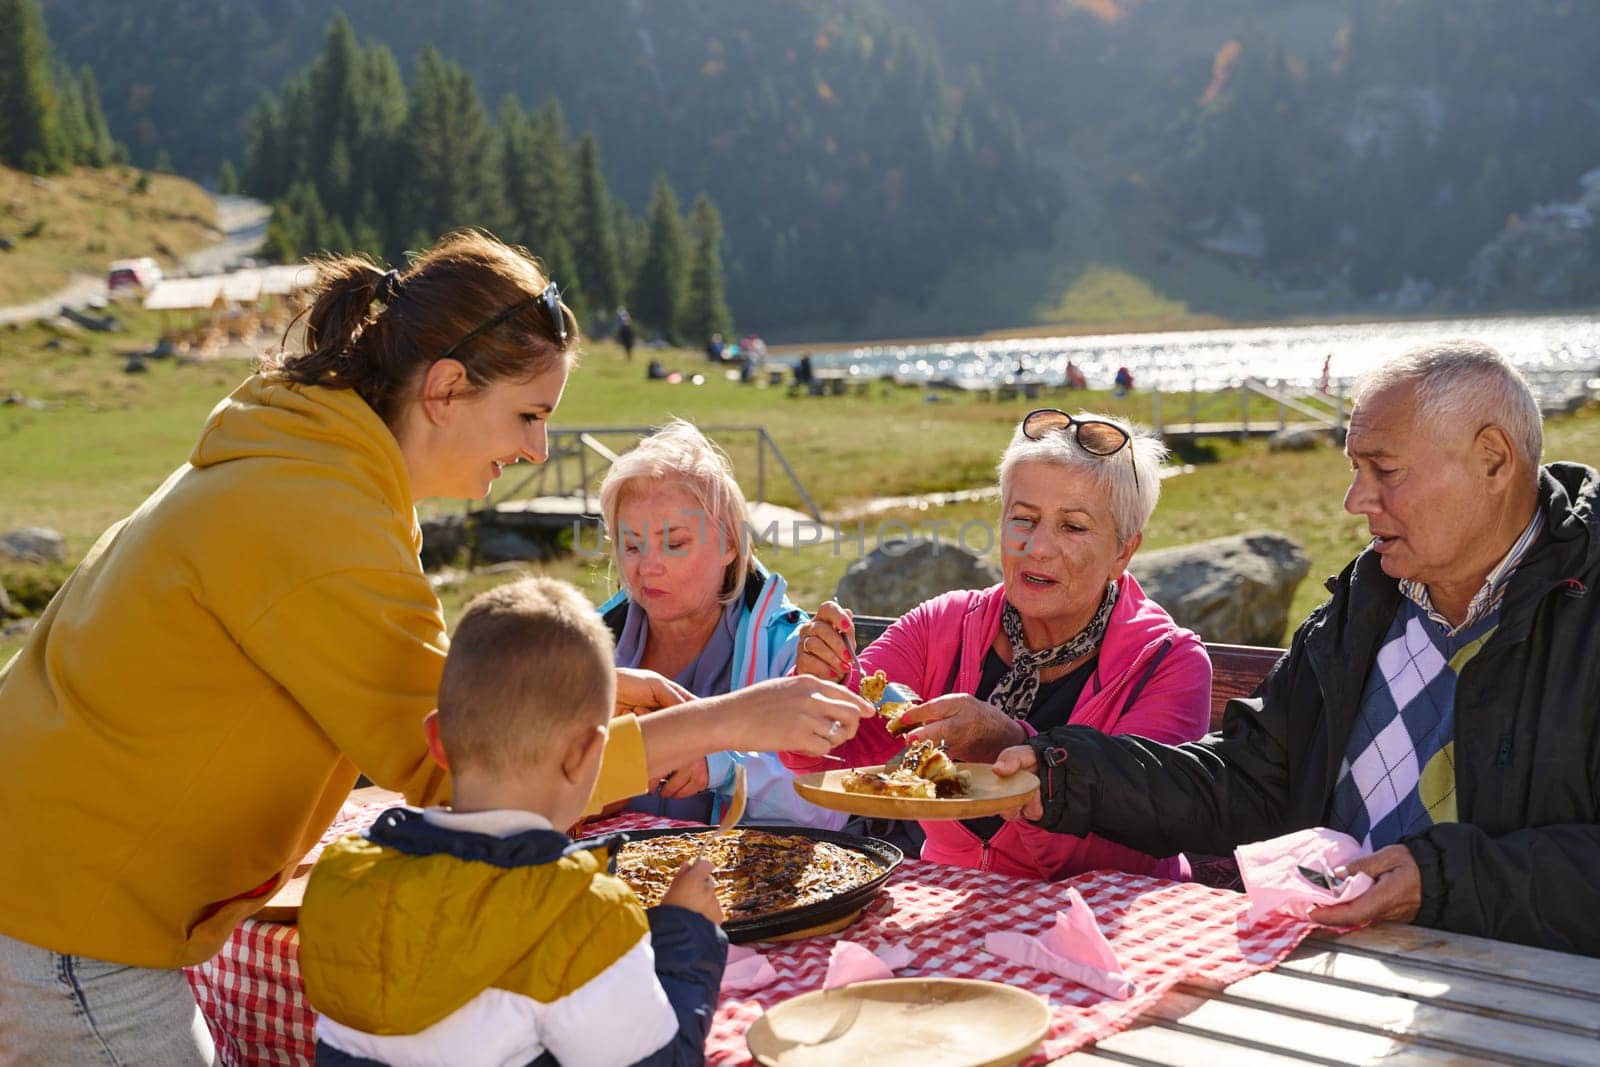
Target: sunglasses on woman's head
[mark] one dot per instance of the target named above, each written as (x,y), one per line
(550,298)
(1095,436)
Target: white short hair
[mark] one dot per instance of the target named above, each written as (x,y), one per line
(680,455)
(1465,383)
(1132,498)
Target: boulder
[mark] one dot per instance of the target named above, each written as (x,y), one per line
(497,544)
(898,575)
(443,539)
(33,544)
(1233,590)
(1302,440)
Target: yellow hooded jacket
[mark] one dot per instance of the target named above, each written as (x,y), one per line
(191,710)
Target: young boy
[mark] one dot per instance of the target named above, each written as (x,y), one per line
(480,933)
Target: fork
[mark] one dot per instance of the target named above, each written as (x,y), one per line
(730,815)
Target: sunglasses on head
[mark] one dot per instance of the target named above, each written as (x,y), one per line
(550,298)
(1095,436)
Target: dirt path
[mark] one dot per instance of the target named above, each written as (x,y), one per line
(243,223)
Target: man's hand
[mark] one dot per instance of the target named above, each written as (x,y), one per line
(640,692)
(1015,759)
(1395,896)
(972,729)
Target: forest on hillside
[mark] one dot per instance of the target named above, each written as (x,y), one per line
(1344,153)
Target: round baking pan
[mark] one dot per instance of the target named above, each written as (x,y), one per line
(809,916)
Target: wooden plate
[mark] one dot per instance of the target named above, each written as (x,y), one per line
(902,1022)
(990,795)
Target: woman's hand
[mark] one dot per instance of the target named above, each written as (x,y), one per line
(973,730)
(826,647)
(686,781)
(640,692)
(695,888)
(795,714)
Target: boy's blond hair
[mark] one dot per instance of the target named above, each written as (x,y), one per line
(529,661)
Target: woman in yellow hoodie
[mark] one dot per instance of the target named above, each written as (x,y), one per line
(194,705)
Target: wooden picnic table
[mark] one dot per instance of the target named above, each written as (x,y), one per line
(1391,993)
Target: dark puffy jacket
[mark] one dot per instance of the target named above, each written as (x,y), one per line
(1523,862)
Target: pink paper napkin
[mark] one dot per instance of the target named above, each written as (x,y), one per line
(747,971)
(1073,947)
(849,962)
(1272,876)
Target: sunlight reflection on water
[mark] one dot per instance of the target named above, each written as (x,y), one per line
(1213,359)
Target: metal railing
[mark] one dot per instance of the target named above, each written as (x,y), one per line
(583,449)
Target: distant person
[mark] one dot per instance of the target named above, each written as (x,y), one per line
(1124,382)
(1327,366)
(1075,377)
(747,364)
(625,334)
(714,348)
(524,707)
(804,373)
(656,371)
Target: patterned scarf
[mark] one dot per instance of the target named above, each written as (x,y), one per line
(1017,689)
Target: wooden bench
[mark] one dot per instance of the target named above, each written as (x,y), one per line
(1236,670)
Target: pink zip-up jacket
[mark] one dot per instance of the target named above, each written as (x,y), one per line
(1152,679)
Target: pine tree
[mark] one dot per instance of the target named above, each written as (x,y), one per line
(705,310)
(659,287)
(103,149)
(450,170)
(594,242)
(29,135)
(266,162)
(72,128)
(515,135)
(227,180)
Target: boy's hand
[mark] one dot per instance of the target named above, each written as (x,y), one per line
(695,888)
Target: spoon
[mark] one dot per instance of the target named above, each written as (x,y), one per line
(731,814)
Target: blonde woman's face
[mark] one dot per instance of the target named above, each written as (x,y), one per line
(672,554)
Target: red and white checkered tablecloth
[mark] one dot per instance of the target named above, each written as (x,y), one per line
(1163,932)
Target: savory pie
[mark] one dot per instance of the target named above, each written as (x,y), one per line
(924,772)
(757,872)
(872,687)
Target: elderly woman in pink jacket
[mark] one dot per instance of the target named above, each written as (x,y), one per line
(1067,637)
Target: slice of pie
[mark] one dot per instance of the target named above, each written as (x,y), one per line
(872,689)
(924,772)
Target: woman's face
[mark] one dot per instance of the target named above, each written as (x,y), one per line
(480,432)
(672,554)
(1059,548)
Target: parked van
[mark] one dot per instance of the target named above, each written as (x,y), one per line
(138,274)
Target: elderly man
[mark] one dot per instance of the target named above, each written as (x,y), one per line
(1443,707)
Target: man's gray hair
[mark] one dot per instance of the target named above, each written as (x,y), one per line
(1465,382)
(1132,499)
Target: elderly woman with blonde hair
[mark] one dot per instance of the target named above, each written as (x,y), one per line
(1067,637)
(697,607)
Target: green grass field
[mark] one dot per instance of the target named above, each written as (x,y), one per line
(105,439)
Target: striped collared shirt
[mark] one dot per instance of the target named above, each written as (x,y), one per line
(1488,598)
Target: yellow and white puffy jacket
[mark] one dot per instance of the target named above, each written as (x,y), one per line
(491,938)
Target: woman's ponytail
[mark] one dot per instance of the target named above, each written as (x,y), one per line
(339,318)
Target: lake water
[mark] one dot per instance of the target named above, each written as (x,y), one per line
(1558,353)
